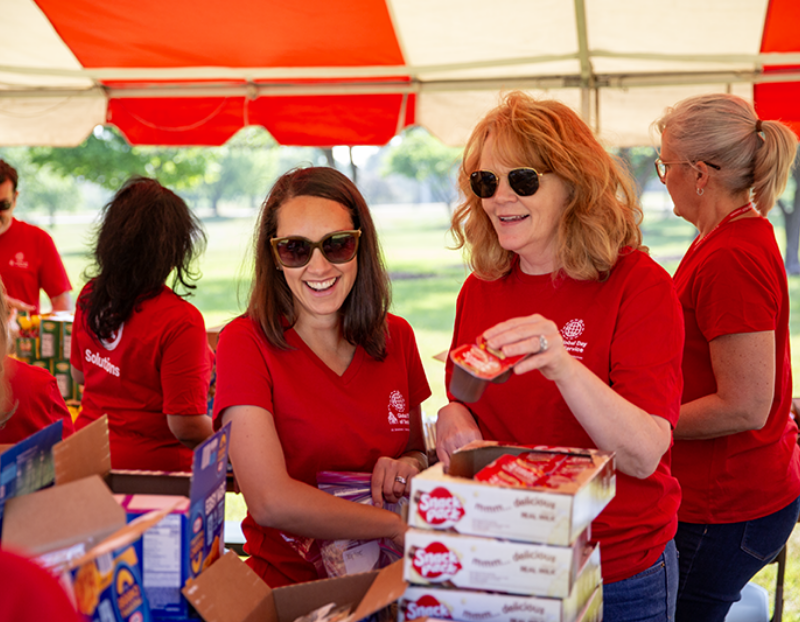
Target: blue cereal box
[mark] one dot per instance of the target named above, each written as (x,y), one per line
(190,537)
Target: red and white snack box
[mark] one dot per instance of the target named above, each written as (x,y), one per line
(469,606)
(475,563)
(554,512)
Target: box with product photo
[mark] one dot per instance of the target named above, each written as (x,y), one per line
(28,465)
(106,583)
(469,605)
(229,591)
(555,512)
(476,563)
(55,334)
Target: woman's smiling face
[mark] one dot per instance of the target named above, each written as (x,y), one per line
(527,226)
(320,287)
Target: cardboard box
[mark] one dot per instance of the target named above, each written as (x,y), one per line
(454,501)
(229,591)
(26,348)
(190,537)
(106,583)
(472,562)
(468,606)
(28,466)
(55,339)
(62,371)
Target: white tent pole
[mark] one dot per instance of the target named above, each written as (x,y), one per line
(587,78)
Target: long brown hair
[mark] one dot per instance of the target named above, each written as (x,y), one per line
(601,217)
(363,313)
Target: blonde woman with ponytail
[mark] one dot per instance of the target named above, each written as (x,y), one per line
(735,455)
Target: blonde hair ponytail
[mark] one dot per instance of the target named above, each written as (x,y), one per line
(772,163)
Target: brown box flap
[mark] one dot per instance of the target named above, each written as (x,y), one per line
(62,516)
(149,483)
(229,591)
(87,452)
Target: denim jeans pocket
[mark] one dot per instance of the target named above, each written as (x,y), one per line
(764,538)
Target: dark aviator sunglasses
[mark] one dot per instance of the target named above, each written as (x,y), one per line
(524,181)
(295,251)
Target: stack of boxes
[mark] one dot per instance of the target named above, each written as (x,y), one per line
(500,553)
(45,341)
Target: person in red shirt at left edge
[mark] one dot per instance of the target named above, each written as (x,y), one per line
(32,399)
(29,260)
(29,592)
(138,347)
(318,376)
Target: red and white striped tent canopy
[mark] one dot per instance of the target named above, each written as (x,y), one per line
(355,72)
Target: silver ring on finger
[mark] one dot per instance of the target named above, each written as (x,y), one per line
(400,479)
(543,345)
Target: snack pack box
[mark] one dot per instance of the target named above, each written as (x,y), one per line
(55,334)
(470,605)
(476,563)
(553,514)
(190,537)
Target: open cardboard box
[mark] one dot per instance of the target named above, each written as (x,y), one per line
(554,515)
(229,591)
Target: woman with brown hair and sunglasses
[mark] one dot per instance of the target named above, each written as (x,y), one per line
(318,376)
(550,225)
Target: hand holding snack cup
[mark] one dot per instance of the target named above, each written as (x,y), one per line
(476,365)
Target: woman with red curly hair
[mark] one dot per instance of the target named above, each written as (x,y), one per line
(550,227)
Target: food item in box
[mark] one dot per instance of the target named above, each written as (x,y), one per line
(476,365)
(535,469)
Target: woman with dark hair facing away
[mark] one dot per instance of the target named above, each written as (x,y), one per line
(139,348)
(736,455)
(550,224)
(317,376)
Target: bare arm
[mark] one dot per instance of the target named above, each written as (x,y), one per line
(638,438)
(62,302)
(77,375)
(744,368)
(287,504)
(191,430)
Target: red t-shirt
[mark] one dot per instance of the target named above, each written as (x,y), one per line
(39,402)
(628,331)
(735,282)
(158,364)
(32,593)
(325,422)
(29,262)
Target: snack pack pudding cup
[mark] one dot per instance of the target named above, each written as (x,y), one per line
(474,367)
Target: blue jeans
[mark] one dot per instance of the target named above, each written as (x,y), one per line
(645,597)
(717,561)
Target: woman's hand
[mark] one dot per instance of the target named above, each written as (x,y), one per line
(391,479)
(455,427)
(536,337)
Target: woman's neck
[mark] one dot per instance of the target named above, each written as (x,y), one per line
(715,211)
(324,338)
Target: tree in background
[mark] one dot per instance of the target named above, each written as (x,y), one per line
(420,156)
(41,188)
(640,163)
(791,221)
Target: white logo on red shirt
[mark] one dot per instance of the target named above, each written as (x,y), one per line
(440,507)
(570,333)
(398,412)
(436,562)
(116,337)
(19,261)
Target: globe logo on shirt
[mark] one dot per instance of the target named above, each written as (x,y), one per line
(572,329)
(398,415)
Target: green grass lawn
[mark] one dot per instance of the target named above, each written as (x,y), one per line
(426,280)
